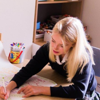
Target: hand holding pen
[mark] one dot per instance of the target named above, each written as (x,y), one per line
(4,94)
(4,84)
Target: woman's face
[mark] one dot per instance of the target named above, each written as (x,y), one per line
(57,45)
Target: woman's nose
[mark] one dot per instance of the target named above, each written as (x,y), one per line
(56,47)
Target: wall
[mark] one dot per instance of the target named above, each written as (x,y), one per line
(91,18)
(17,18)
(16,23)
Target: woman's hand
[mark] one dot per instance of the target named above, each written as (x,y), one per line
(4,95)
(30,90)
(9,87)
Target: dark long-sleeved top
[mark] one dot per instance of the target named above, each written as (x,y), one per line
(83,82)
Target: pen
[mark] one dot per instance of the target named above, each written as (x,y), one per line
(4,85)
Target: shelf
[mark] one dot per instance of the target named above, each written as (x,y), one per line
(54,2)
(40,41)
(71,7)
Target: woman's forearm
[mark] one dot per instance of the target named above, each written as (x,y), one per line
(11,85)
(34,90)
(45,90)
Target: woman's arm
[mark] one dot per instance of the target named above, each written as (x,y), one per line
(30,90)
(81,82)
(34,66)
(11,85)
(4,95)
(76,90)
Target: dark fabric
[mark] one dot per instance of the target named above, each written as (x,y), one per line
(83,82)
(91,96)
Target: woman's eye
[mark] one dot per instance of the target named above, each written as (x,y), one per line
(53,41)
(61,46)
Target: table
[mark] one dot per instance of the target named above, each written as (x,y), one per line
(47,72)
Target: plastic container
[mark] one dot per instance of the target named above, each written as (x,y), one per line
(38,25)
(47,37)
(39,33)
(16,57)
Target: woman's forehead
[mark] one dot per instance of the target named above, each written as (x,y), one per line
(60,39)
(57,37)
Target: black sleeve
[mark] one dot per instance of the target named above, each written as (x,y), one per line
(78,89)
(34,66)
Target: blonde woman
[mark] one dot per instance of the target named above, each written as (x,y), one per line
(70,55)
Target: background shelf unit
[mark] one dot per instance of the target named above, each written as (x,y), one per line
(45,9)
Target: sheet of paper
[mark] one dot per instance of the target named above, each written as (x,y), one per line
(7,70)
(35,80)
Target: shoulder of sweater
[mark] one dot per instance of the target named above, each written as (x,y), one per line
(45,46)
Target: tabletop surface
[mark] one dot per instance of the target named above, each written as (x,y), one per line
(47,72)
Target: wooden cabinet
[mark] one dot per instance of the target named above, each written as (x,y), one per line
(47,8)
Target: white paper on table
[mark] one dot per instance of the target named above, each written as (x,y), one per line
(7,70)
(35,80)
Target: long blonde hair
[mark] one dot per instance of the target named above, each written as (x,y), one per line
(71,29)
